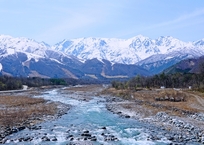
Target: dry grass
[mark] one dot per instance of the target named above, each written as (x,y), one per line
(84,88)
(15,101)
(126,94)
(15,110)
(148,102)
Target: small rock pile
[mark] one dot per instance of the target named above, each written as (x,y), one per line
(197,116)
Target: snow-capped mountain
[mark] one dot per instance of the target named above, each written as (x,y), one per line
(11,45)
(126,51)
(33,49)
(27,57)
(94,57)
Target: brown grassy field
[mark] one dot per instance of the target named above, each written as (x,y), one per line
(15,110)
(147,102)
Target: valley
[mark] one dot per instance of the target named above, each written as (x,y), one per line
(146,103)
(102,72)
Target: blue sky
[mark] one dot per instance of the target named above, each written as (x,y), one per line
(54,20)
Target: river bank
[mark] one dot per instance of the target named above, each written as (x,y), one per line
(178,125)
(19,110)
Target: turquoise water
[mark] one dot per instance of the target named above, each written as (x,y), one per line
(91,116)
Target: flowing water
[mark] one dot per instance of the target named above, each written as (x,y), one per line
(86,121)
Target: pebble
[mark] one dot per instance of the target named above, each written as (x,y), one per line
(187,132)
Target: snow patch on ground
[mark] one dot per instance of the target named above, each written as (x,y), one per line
(1,67)
(168,58)
(10,51)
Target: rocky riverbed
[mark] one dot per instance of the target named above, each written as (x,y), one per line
(188,129)
(84,118)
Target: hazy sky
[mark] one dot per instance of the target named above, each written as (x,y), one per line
(54,20)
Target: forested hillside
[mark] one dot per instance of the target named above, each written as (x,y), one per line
(186,73)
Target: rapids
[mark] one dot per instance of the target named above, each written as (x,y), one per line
(87,122)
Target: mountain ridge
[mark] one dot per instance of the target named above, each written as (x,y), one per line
(94,57)
(126,51)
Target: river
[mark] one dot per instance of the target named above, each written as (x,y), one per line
(87,122)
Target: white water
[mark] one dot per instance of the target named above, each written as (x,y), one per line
(91,116)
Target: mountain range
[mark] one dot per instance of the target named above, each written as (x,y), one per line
(98,58)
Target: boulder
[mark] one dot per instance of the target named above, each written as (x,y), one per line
(45,138)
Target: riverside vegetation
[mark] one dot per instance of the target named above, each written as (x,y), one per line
(176,96)
(13,83)
(176,80)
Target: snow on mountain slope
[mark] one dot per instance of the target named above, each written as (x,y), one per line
(27,57)
(89,48)
(153,55)
(33,49)
(12,45)
(199,43)
(126,51)
(1,66)
(159,62)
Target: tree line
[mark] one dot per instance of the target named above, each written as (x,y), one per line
(14,83)
(177,80)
